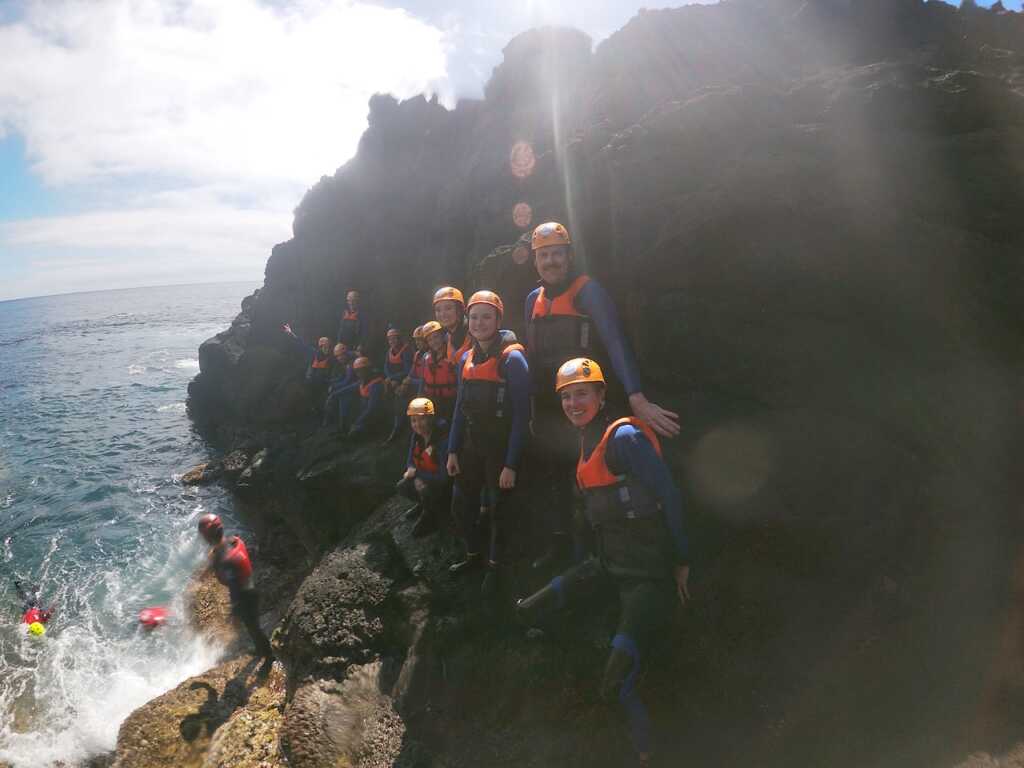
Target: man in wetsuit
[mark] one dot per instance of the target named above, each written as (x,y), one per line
(570,315)
(230,562)
(31,611)
(641,549)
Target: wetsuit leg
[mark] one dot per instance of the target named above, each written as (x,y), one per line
(246,606)
(582,579)
(466,497)
(555,451)
(29,596)
(408,489)
(646,610)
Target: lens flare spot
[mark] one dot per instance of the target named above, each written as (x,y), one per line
(522,160)
(730,464)
(522,215)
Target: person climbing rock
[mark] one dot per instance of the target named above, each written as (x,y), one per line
(426,480)
(397,367)
(355,325)
(372,410)
(321,359)
(450,312)
(229,560)
(33,615)
(489,432)
(570,315)
(439,373)
(641,550)
(343,384)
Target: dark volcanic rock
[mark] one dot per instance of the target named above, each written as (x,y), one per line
(809,215)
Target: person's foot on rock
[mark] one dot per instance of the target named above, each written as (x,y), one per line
(471,563)
(425,526)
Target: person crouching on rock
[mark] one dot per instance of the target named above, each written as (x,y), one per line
(343,385)
(426,481)
(372,411)
(230,562)
(397,367)
(634,509)
(440,379)
(492,413)
(321,361)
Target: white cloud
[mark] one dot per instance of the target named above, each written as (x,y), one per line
(173,111)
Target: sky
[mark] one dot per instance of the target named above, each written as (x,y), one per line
(152,142)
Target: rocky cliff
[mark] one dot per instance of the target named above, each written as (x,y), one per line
(809,213)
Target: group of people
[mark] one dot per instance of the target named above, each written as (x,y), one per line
(481,403)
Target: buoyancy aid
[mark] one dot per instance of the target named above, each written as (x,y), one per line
(608,496)
(349,331)
(232,565)
(35,614)
(439,378)
(424,456)
(558,331)
(395,356)
(418,364)
(455,353)
(364,389)
(321,360)
(484,400)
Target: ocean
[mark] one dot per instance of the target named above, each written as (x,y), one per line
(93,439)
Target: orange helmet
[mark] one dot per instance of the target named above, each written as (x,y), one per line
(550,233)
(340,348)
(393,332)
(418,332)
(432,327)
(580,370)
(361,362)
(449,294)
(420,406)
(487,297)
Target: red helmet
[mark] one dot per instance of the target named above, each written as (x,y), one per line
(211,528)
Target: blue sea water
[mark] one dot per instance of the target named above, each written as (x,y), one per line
(93,438)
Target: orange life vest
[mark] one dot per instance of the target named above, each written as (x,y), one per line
(418,364)
(439,379)
(609,496)
(483,386)
(423,457)
(558,331)
(233,567)
(349,331)
(364,389)
(320,363)
(455,355)
(395,358)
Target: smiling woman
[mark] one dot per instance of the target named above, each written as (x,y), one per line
(201,122)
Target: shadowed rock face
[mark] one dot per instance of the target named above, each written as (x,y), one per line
(809,214)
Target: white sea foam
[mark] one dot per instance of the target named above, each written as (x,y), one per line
(135,370)
(187,363)
(176,407)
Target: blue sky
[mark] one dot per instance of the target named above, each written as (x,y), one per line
(144,142)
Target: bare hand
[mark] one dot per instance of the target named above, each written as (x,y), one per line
(664,422)
(287,329)
(507,479)
(453,465)
(682,574)
(410,473)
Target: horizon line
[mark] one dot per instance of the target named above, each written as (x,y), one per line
(126,288)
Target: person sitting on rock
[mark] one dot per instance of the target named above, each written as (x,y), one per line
(570,315)
(355,325)
(489,432)
(635,511)
(426,480)
(450,312)
(439,376)
(343,384)
(318,373)
(414,381)
(397,367)
(32,611)
(372,411)
(230,562)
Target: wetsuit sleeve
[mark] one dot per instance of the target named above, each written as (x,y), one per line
(631,453)
(517,374)
(455,437)
(594,301)
(531,299)
(409,463)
